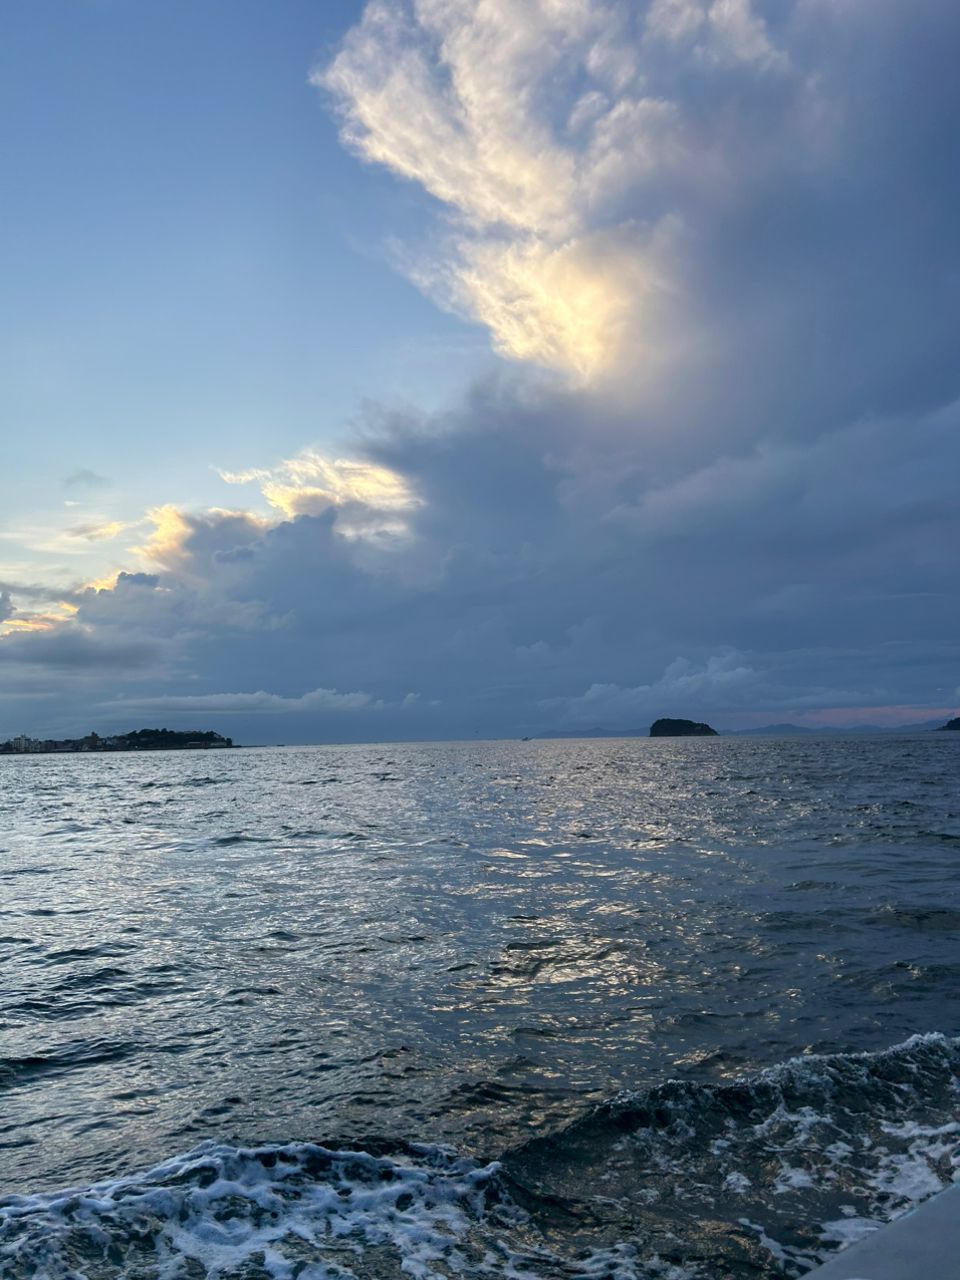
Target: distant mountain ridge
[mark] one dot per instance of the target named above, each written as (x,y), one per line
(795,730)
(784,730)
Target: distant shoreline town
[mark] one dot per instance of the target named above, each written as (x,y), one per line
(137,740)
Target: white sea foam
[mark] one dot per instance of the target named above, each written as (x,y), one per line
(624,1262)
(294,1212)
(280,1212)
(737,1182)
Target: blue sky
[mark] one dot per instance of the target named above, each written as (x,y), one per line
(193,267)
(425,369)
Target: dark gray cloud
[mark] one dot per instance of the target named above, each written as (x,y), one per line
(542,584)
(68,650)
(39,593)
(128,581)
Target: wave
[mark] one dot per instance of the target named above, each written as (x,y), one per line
(761,1177)
(772,1170)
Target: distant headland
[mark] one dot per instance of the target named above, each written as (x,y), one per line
(136,740)
(952,724)
(667,728)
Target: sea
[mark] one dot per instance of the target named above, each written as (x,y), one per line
(679,1009)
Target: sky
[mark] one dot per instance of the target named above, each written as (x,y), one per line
(454,368)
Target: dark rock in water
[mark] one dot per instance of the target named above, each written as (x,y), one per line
(681,729)
(952,724)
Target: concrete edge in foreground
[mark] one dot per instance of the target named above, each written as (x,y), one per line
(924,1243)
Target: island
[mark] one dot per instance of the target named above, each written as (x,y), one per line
(136,740)
(951,724)
(667,728)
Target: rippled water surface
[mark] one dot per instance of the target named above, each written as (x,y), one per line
(222,969)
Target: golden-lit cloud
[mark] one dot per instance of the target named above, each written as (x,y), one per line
(370,503)
(166,544)
(31,622)
(564,307)
(311,484)
(100,530)
(107,583)
(530,120)
(47,619)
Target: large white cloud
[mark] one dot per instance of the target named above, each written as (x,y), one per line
(529,121)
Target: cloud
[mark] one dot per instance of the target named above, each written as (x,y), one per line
(316,701)
(543,583)
(370,499)
(133,581)
(178,537)
(39,591)
(84,478)
(55,538)
(711,195)
(724,32)
(722,681)
(859,487)
(726,684)
(74,651)
(99,530)
(527,121)
(19,613)
(564,305)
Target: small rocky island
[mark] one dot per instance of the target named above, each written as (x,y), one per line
(667,728)
(951,724)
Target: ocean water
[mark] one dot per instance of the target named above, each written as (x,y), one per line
(684,1009)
